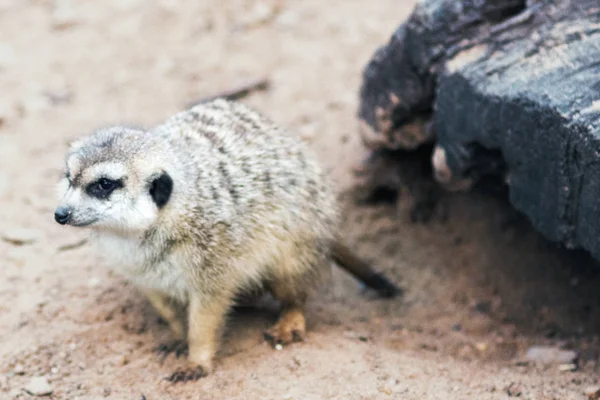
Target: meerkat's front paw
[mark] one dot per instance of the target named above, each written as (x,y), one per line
(199,365)
(290,328)
(192,373)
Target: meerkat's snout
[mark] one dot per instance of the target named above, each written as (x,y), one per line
(62,214)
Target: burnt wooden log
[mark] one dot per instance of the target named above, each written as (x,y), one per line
(498,87)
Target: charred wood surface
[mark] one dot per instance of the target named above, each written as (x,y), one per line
(501,87)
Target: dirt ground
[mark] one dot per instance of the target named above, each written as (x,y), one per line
(480,287)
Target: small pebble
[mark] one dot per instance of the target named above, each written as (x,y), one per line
(287,19)
(278,347)
(550,355)
(481,346)
(567,367)
(259,14)
(355,335)
(593,392)
(19,369)
(39,386)
(307,136)
(385,390)
(94,282)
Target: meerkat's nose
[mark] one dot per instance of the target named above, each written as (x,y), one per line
(62,215)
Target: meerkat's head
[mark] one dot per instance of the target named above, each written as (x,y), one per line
(114,181)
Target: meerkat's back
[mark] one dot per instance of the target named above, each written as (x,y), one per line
(254,157)
(253,175)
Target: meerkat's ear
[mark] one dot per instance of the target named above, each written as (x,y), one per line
(161,187)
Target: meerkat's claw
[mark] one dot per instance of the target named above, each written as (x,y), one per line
(187,374)
(177,347)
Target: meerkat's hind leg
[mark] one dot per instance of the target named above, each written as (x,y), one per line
(291,324)
(290,327)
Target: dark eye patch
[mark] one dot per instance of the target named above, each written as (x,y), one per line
(103,187)
(161,188)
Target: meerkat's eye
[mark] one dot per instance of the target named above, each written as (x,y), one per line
(103,187)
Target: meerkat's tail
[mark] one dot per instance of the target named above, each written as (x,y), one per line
(343,256)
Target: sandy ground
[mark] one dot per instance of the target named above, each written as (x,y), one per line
(481,286)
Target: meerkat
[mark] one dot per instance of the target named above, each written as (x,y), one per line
(214,202)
